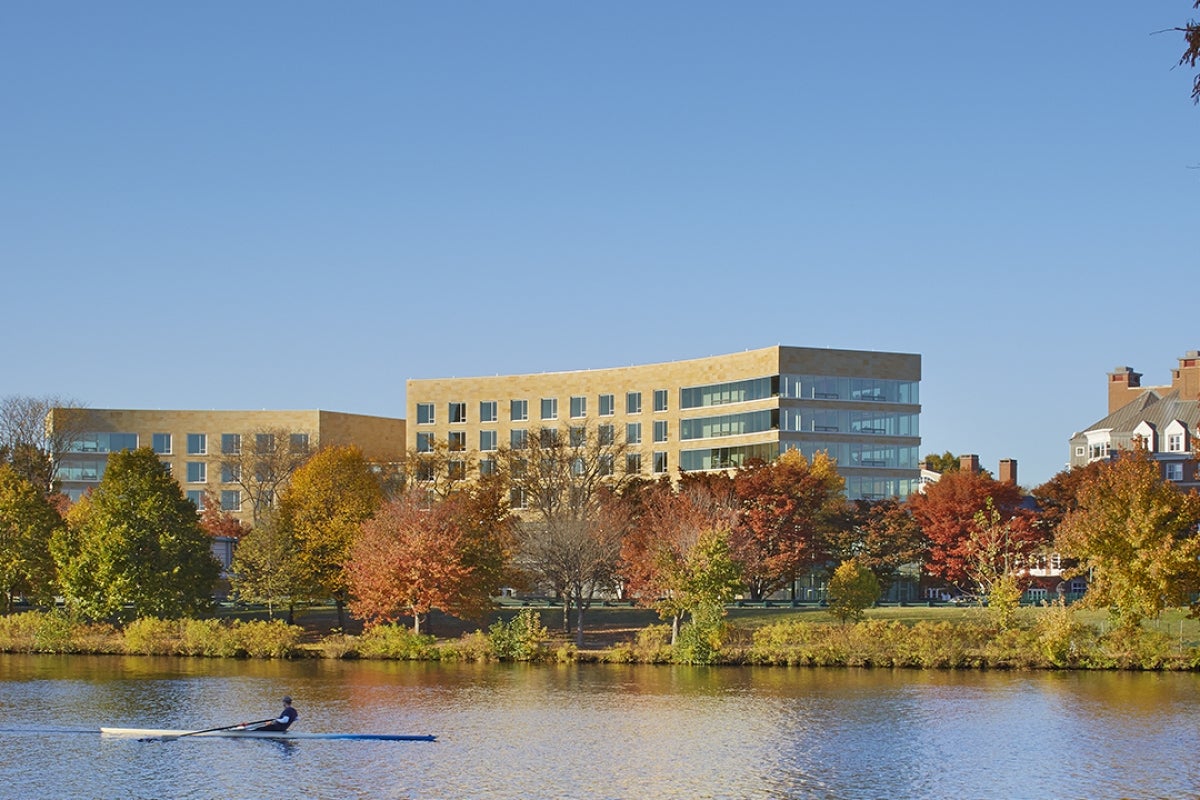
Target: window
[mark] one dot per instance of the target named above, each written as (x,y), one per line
(548,437)
(1175,472)
(425,470)
(518,410)
(456,470)
(578,407)
(231,473)
(578,436)
(605,435)
(516,498)
(660,399)
(633,433)
(518,439)
(424,413)
(1079,451)
(633,402)
(487,466)
(162,443)
(298,442)
(487,441)
(457,441)
(1175,443)
(607,405)
(424,442)
(231,444)
(264,443)
(549,408)
(197,498)
(660,430)
(197,472)
(633,463)
(197,444)
(166,465)
(606,464)
(457,412)
(660,462)
(487,410)
(231,500)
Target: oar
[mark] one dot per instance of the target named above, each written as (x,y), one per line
(206,730)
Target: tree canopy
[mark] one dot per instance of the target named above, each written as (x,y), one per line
(28,521)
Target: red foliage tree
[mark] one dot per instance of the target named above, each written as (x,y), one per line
(217,522)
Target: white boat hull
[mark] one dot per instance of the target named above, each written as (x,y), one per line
(235,733)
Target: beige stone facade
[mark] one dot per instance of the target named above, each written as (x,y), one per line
(194,444)
(701,414)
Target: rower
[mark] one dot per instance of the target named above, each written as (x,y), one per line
(285,718)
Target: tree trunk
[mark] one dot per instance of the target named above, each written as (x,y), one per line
(566,613)
(579,625)
(341,613)
(416,623)
(674,629)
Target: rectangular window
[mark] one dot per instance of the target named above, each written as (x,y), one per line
(607,405)
(516,498)
(606,464)
(424,413)
(660,462)
(487,441)
(457,412)
(578,407)
(231,473)
(660,399)
(660,430)
(548,437)
(231,444)
(487,410)
(231,500)
(197,444)
(197,498)
(425,470)
(633,463)
(578,436)
(162,443)
(487,466)
(633,433)
(166,465)
(456,470)
(457,441)
(264,443)
(549,408)
(518,439)
(1175,443)
(518,410)
(633,402)
(605,435)
(424,442)
(197,472)
(1175,472)
(298,442)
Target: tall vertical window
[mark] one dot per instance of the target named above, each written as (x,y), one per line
(607,405)
(660,430)
(487,441)
(197,472)
(197,444)
(456,470)
(633,433)
(518,439)
(549,408)
(605,435)
(633,463)
(424,413)
(1175,443)
(457,412)
(197,498)
(660,462)
(633,402)
(457,441)
(660,399)
(424,442)
(578,407)
(231,443)
(518,410)
(231,500)
(578,435)
(162,443)
(487,410)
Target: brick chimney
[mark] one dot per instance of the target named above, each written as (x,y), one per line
(1008,471)
(1187,378)
(1123,385)
(969,463)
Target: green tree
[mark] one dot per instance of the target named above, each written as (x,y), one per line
(138,540)
(996,562)
(266,567)
(944,463)
(852,590)
(1134,535)
(326,501)
(28,521)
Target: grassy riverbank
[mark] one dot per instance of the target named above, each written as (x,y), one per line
(908,637)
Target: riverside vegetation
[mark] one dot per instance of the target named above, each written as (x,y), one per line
(1049,637)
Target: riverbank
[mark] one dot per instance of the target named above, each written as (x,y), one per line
(896,637)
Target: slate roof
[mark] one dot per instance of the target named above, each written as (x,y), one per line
(1160,410)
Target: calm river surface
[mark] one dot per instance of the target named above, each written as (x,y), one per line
(595,731)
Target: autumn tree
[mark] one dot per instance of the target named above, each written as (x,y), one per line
(261,462)
(947,513)
(28,521)
(266,567)
(998,562)
(881,535)
(413,557)
(135,539)
(1059,496)
(1191,53)
(565,482)
(852,590)
(785,509)
(35,434)
(437,470)
(1135,537)
(322,508)
(216,521)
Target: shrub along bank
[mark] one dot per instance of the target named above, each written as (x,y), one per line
(1051,638)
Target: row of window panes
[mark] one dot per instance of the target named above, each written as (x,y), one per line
(729,425)
(197,443)
(862,455)
(519,437)
(719,394)
(861,390)
(824,420)
(104,443)
(726,457)
(518,410)
(231,499)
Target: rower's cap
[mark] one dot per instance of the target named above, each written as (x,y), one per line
(287,699)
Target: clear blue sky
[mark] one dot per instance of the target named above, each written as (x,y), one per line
(304,204)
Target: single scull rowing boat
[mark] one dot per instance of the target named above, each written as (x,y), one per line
(234,733)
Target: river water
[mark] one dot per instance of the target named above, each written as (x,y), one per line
(595,731)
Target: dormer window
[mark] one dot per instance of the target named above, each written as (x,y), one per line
(1177,438)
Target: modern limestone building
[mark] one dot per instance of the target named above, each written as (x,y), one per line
(1163,419)
(713,413)
(237,457)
